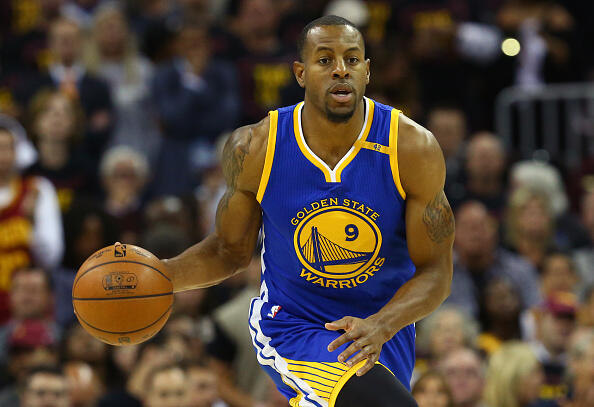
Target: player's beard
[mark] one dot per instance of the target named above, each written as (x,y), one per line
(339,117)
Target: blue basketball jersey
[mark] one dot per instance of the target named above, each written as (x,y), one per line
(334,243)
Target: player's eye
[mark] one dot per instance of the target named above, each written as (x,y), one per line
(324,60)
(353,60)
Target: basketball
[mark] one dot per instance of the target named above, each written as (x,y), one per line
(122,295)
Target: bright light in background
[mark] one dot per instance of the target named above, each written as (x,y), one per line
(510,47)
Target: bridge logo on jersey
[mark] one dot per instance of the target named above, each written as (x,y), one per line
(337,242)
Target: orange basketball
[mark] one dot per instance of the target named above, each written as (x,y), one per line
(122,295)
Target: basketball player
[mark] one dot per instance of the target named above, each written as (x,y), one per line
(357,232)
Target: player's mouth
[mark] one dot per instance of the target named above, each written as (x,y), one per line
(341,93)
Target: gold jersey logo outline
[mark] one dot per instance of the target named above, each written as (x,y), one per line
(347,259)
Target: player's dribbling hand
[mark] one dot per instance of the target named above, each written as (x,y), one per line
(368,337)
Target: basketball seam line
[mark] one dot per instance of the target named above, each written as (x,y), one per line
(123,298)
(125,332)
(119,261)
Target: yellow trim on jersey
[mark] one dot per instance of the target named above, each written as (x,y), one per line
(394,115)
(303,148)
(332,175)
(363,138)
(345,378)
(320,377)
(269,155)
(368,145)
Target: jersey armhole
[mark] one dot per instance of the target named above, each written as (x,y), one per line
(270,147)
(394,115)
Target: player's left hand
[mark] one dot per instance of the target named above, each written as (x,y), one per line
(368,337)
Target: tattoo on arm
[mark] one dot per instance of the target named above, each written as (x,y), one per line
(438,218)
(233,158)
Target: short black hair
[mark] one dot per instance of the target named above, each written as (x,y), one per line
(319,22)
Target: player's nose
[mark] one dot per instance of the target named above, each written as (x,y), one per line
(340,70)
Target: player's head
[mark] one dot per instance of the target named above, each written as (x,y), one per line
(333,69)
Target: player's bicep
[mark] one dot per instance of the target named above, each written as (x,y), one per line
(430,228)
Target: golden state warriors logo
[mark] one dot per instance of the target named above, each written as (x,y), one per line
(337,242)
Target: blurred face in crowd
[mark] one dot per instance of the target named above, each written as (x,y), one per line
(449,128)
(334,71)
(85,386)
(55,123)
(448,333)
(192,44)
(502,302)
(23,360)
(82,346)
(534,219)
(484,157)
(46,390)
(124,181)
(464,374)
(258,17)
(529,386)
(202,387)
(557,275)
(583,370)
(431,392)
(167,389)
(555,331)
(476,232)
(111,33)
(64,41)
(91,237)
(30,295)
(7,153)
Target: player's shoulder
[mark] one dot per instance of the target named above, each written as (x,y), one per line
(420,159)
(245,152)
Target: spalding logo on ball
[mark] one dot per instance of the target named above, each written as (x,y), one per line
(122,294)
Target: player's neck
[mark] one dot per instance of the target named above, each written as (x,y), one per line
(327,139)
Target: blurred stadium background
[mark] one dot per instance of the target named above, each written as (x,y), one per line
(113,114)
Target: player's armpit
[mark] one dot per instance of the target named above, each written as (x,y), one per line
(238,217)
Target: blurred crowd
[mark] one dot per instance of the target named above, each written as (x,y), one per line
(112,119)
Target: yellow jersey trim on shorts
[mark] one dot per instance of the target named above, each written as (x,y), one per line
(333,175)
(345,378)
(395,114)
(269,155)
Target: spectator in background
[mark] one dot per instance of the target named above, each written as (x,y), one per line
(113,56)
(499,315)
(442,332)
(543,177)
(166,386)
(29,215)
(448,125)
(30,345)
(202,388)
(124,173)
(46,386)
(264,64)
(233,358)
(84,384)
(464,371)
(529,225)
(81,11)
(514,376)
(57,128)
(483,178)
(581,362)
(554,327)
(196,100)
(31,299)
(67,74)
(587,311)
(79,346)
(479,259)
(432,390)
(584,257)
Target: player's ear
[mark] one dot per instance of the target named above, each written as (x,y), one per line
(367,62)
(299,71)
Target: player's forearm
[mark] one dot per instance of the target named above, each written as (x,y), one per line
(417,298)
(206,264)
